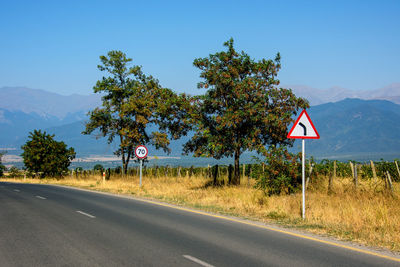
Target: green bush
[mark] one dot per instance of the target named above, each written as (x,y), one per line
(282,172)
(15,172)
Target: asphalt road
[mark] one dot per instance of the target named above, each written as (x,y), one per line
(42,225)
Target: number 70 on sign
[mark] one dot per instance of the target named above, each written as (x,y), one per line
(141,152)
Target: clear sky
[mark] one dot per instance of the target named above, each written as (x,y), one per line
(55,45)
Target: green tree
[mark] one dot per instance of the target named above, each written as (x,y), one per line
(42,154)
(2,167)
(132,102)
(243,108)
(98,167)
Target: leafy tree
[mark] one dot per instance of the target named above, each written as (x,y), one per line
(98,167)
(133,101)
(42,154)
(243,108)
(2,167)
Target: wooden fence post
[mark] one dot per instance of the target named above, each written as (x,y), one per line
(355,176)
(166,171)
(389,181)
(397,167)
(373,170)
(309,175)
(334,169)
(248,176)
(352,169)
(330,183)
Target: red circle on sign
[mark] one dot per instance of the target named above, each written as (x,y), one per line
(141,152)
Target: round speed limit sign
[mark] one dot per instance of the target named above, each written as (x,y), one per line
(141,152)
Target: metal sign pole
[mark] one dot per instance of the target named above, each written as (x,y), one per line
(140,183)
(303,174)
(303,129)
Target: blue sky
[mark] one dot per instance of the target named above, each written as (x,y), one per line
(55,45)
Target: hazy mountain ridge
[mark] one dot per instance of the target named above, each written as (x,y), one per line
(334,94)
(46,104)
(74,107)
(347,127)
(355,126)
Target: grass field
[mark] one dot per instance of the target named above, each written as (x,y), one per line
(369,215)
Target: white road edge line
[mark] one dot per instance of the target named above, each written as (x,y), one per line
(196,260)
(86,214)
(16,190)
(40,197)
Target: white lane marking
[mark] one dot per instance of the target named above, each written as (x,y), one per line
(16,190)
(86,214)
(40,197)
(196,260)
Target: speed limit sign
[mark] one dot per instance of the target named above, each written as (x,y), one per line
(141,152)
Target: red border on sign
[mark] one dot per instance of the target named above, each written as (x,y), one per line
(303,137)
(147,152)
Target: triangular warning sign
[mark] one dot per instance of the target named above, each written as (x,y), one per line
(303,128)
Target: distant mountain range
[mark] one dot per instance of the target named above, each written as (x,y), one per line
(349,128)
(356,129)
(317,96)
(73,108)
(46,104)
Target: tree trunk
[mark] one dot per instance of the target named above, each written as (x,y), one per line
(215,175)
(236,176)
(230,171)
(124,165)
(123,162)
(128,156)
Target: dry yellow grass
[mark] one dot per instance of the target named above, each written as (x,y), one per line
(369,215)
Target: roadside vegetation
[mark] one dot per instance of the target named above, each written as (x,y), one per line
(367,212)
(43,156)
(243,109)
(2,167)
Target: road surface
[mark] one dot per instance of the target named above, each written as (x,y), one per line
(44,225)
